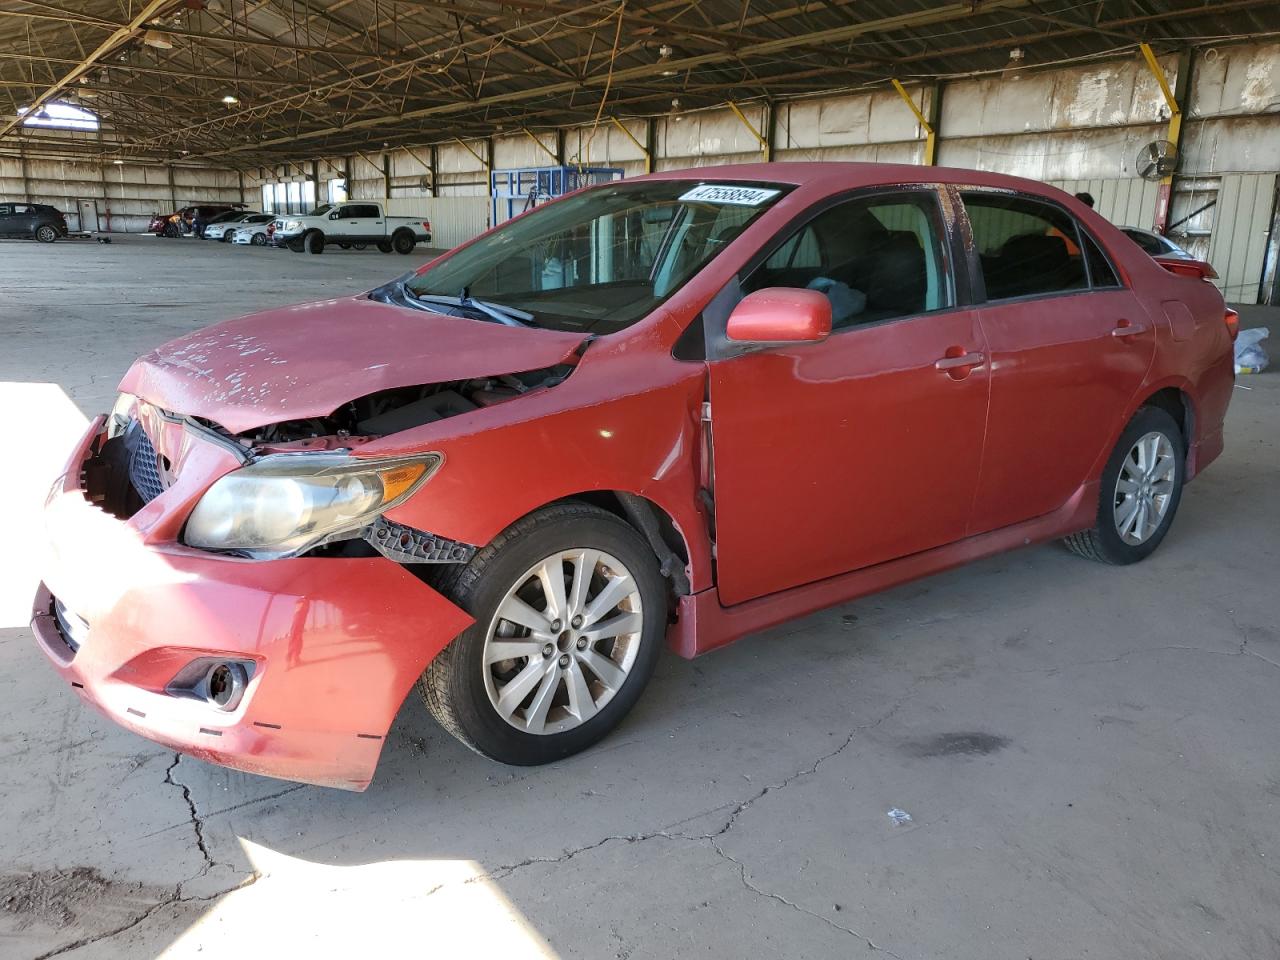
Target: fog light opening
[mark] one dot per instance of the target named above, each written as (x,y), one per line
(225,684)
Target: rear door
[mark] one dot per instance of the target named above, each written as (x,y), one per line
(839,455)
(1069,345)
(7,220)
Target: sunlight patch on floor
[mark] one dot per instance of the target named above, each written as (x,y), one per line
(44,425)
(420,908)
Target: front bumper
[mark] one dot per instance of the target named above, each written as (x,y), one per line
(336,643)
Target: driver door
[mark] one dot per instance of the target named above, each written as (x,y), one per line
(839,455)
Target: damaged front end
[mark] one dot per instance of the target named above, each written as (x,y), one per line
(301,488)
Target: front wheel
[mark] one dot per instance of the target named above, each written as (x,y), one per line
(169,231)
(258,240)
(46,234)
(1140,491)
(314,242)
(570,612)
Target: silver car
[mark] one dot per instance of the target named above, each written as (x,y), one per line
(254,233)
(225,230)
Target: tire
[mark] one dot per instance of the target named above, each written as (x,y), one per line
(258,239)
(361,246)
(384,246)
(295,245)
(403,241)
(1119,536)
(344,246)
(314,242)
(46,233)
(462,691)
(169,231)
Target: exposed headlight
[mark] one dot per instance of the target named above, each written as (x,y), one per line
(120,415)
(286,503)
(292,225)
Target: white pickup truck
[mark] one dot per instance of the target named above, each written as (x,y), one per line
(352,224)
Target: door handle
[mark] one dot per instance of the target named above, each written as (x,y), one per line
(956,363)
(1124,328)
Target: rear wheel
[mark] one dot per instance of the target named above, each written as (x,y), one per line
(1140,491)
(403,241)
(570,612)
(314,242)
(361,246)
(384,246)
(46,233)
(258,239)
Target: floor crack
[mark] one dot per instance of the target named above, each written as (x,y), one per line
(174,898)
(746,883)
(197,821)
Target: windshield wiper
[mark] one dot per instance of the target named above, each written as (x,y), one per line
(508,316)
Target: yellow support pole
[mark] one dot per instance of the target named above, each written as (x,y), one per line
(765,150)
(483,162)
(930,137)
(1173,135)
(529,133)
(648,157)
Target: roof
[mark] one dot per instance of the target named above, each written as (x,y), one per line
(346,75)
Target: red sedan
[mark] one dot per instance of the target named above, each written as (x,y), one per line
(683,407)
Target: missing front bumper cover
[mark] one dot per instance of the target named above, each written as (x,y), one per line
(404,544)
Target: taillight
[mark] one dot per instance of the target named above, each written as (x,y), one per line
(1232,320)
(426,225)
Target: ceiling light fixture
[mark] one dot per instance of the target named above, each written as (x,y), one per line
(230,101)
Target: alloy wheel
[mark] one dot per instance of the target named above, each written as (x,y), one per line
(1144,488)
(562,641)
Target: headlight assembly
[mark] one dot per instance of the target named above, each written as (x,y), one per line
(286,503)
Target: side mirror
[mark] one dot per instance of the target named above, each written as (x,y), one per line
(781,315)
(334,215)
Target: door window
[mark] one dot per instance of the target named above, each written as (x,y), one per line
(875,258)
(1027,247)
(1101,272)
(363,210)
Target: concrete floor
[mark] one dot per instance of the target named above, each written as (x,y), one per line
(1087,754)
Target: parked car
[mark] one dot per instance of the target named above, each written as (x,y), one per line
(36,221)
(225,230)
(1157,245)
(687,406)
(180,222)
(255,233)
(352,224)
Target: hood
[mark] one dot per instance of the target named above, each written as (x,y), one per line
(308,360)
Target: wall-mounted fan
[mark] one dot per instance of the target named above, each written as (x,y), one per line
(1156,160)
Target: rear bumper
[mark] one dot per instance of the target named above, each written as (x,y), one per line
(336,644)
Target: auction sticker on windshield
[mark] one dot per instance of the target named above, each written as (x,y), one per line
(724,193)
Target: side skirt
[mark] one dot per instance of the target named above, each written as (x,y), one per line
(704,625)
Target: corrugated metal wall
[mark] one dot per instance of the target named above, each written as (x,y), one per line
(1242,226)
(1130,202)
(126,194)
(454,220)
(1080,127)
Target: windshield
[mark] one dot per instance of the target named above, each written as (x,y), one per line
(321,210)
(599,261)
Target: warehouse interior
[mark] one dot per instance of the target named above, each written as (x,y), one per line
(1084,759)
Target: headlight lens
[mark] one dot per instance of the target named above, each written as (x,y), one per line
(120,415)
(292,225)
(286,503)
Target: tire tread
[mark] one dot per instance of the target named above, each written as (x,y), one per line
(458,583)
